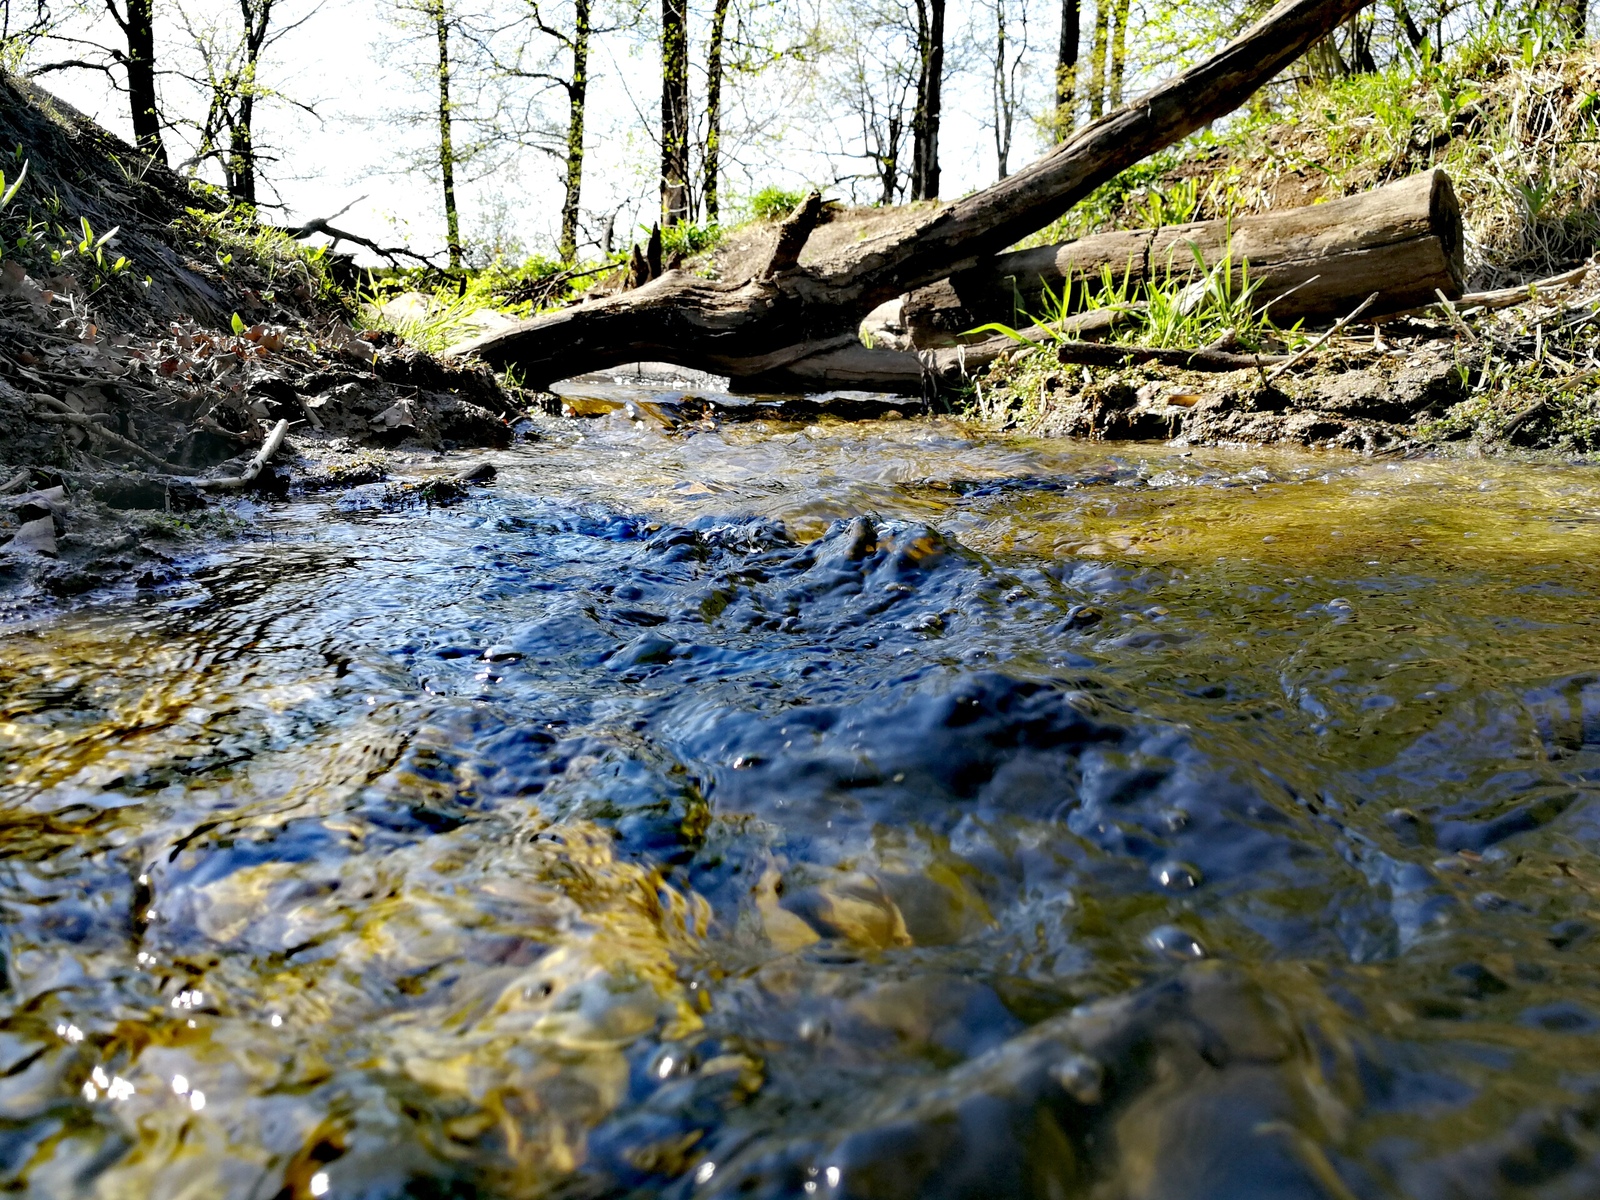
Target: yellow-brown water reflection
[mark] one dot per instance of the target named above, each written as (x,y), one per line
(605,834)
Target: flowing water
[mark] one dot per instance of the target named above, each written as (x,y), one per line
(867,810)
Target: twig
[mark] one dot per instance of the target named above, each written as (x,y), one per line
(1102,354)
(263,455)
(114,439)
(1522,418)
(1455,317)
(20,479)
(1305,351)
(208,425)
(1506,297)
(91,380)
(1260,312)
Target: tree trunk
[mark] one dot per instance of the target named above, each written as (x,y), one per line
(140,31)
(447,153)
(930,83)
(1003,102)
(674,112)
(577,97)
(762,324)
(1119,50)
(1409,26)
(1067,69)
(1404,240)
(1097,62)
(713,164)
(241,167)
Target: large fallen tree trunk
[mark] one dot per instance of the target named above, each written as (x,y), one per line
(1403,240)
(766,323)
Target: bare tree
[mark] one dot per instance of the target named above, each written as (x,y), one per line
(229,76)
(1007,67)
(873,78)
(561,65)
(930,86)
(1119,52)
(442,55)
(1095,82)
(713,152)
(134,59)
(22,25)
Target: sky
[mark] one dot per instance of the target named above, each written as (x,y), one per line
(346,62)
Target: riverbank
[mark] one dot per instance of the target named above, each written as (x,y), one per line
(1515,126)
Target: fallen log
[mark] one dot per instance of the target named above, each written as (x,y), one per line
(1403,240)
(745,329)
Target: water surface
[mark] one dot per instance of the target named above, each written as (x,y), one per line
(848,811)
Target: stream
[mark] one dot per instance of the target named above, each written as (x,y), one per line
(878,810)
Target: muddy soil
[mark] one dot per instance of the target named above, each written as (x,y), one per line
(1376,406)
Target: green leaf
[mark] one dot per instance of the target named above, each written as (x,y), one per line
(238,323)
(1004,331)
(108,235)
(8,194)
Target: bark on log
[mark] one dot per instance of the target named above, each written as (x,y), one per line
(743,329)
(847,365)
(1404,240)
(843,364)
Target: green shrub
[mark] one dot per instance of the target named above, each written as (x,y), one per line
(774,203)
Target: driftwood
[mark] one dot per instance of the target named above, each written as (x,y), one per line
(759,326)
(844,364)
(1523,292)
(1403,240)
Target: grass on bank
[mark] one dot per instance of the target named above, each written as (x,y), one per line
(1513,118)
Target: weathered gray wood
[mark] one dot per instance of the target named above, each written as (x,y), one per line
(729,328)
(1403,240)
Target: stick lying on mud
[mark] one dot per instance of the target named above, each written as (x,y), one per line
(62,415)
(1104,354)
(760,325)
(263,456)
(16,481)
(1305,351)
